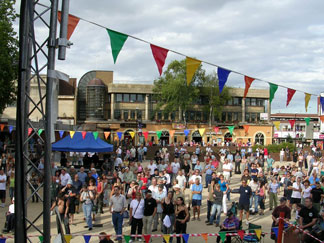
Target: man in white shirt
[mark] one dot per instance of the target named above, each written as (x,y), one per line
(136,214)
(192,180)
(227,169)
(3,180)
(152,166)
(175,165)
(65,177)
(158,196)
(118,161)
(181,180)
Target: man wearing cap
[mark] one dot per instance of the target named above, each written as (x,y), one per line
(231,223)
(279,209)
(150,208)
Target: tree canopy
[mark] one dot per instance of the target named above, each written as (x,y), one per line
(8,53)
(173,94)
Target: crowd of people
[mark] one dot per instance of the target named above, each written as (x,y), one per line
(165,193)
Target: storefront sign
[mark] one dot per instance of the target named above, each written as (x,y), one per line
(321,136)
(263,116)
(178,126)
(276,135)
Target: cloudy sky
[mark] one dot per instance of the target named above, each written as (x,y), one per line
(276,40)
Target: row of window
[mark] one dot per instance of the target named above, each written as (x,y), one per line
(139,98)
(237,101)
(128,114)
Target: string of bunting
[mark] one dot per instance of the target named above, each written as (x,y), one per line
(118,39)
(292,122)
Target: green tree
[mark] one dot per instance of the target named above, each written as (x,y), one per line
(8,53)
(171,90)
(209,87)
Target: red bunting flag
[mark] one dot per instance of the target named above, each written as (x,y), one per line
(145,134)
(106,135)
(216,129)
(159,55)
(241,233)
(2,127)
(84,134)
(292,123)
(248,82)
(30,130)
(246,128)
(147,238)
(72,23)
(322,118)
(290,94)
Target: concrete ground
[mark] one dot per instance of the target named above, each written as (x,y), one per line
(193,226)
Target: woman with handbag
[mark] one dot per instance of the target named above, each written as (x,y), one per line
(136,212)
(168,211)
(92,187)
(86,199)
(182,217)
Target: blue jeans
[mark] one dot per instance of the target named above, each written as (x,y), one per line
(208,179)
(87,208)
(256,201)
(218,208)
(117,219)
(140,158)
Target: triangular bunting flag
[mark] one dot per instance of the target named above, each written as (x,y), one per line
(186,132)
(158,134)
(72,23)
(258,233)
(277,124)
(117,41)
(41,238)
(246,128)
(205,237)
(222,77)
(30,130)
(159,55)
(10,129)
(61,133)
(40,131)
(290,94)
(145,134)
(191,67)
(185,237)
(147,238)
(127,238)
(248,82)
(201,131)
(322,103)
(307,120)
(68,238)
(222,235)
(241,233)
(231,129)
(132,134)
(2,127)
(72,133)
(292,123)
(84,134)
(322,118)
(119,134)
(106,135)
(171,132)
(307,98)
(3,240)
(87,238)
(275,230)
(95,135)
(216,129)
(273,89)
(166,238)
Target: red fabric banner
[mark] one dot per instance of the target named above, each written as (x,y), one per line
(145,134)
(290,94)
(72,23)
(322,118)
(248,82)
(216,129)
(246,128)
(84,134)
(30,130)
(2,127)
(292,123)
(159,55)
(147,238)
(241,233)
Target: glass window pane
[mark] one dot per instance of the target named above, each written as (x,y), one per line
(133,98)
(139,114)
(140,98)
(126,115)
(117,114)
(126,98)
(229,116)
(253,102)
(159,115)
(119,97)
(235,101)
(223,116)
(132,115)
(247,101)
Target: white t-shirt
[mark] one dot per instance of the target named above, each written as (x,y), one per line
(307,192)
(118,161)
(181,181)
(152,167)
(154,189)
(139,212)
(296,194)
(12,208)
(3,184)
(175,167)
(168,179)
(227,166)
(65,178)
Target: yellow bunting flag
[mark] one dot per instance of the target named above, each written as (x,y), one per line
(277,124)
(258,233)
(132,134)
(106,135)
(166,238)
(307,98)
(68,238)
(171,132)
(191,65)
(72,133)
(201,131)
(205,236)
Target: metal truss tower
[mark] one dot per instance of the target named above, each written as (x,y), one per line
(36,56)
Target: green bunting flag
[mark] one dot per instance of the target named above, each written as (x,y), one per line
(127,238)
(40,131)
(231,129)
(158,134)
(273,89)
(95,135)
(117,41)
(41,238)
(307,120)
(222,235)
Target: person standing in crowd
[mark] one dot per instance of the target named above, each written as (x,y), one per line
(270,162)
(224,188)
(306,191)
(168,211)
(317,195)
(297,189)
(182,217)
(64,177)
(100,195)
(276,213)
(209,169)
(237,163)
(92,187)
(227,169)
(77,184)
(210,199)
(159,196)
(192,181)
(117,207)
(86,199)
(196,191)
(244,200)
(255,188)
(150,209)
(3,181)
(70,196)
(274,190)
(82,175)
(175,168)
(136,212)
(217,205)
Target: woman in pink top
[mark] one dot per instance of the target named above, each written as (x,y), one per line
(261,197)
